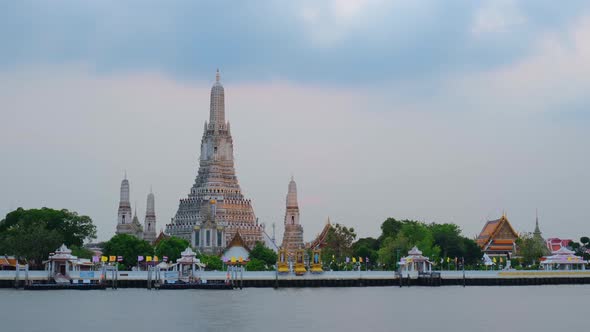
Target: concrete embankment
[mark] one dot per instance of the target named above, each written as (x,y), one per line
(139,279)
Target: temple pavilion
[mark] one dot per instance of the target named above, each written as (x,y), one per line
(237,249)
(563,259)
(415,262)
(498,238)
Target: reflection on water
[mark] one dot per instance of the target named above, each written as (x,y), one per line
(538,308)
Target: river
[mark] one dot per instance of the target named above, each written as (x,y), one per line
(525,308)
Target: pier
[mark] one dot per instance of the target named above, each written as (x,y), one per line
(143,279)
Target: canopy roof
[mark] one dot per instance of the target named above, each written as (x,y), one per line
(563,256)
(62,253)
(414,255)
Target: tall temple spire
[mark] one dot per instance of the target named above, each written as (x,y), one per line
(124,194)
(217,107)
(149,227)
(124,215)
(216,179)
(292,194)
(537,229)
(293,235)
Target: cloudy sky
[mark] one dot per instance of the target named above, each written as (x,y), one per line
(445,111)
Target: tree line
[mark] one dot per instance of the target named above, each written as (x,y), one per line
(436,241)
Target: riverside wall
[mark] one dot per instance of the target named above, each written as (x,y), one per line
(139,279)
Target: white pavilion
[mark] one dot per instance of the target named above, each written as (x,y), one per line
(415,262)
(563,259)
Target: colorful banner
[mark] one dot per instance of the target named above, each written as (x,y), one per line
(104,258)
(165,258)
(112,258)
(360,259)
(119,258)
(95,259)
(140,258)
(148,258)
(156,259)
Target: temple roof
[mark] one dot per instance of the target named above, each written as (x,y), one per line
(8,261)
(237,241)
(491,229)
(319,240)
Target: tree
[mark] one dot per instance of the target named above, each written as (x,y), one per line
(267,256)
(338,243)
(32,241)
(81,252)
(74,229)
(530,248)
(171,247)
(366,248)
(129,247)
(256,265)
(390,228)
(212,262)
(388,253)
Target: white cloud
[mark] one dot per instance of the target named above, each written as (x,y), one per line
(497,16)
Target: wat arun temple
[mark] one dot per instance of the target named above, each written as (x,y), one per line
(216,183)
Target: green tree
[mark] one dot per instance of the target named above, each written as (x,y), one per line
(129,247)
(81,252)
(338,243)
(388,253)
(171,247)
(212,262)
(366,248)
(261,253)
(530,248)
(256,265)
(390,228)
(74,229)
(30,240)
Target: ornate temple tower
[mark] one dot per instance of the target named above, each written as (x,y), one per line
(149,227)
(124,213)
(216,180)
(126,223)
(293,236)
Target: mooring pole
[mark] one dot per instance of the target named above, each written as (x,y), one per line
(463,262)
(16,275)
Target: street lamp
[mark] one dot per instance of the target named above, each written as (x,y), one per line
(397,260)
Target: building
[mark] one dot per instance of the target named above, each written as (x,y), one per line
(538,237)
(209,236)
(128,223)
(320,240)
(293,235)
(563,259)
(415,262)
(236,249)
(149,233)
(554,244)
(216,180)
(498,238)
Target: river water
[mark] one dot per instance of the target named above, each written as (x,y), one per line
(525,308)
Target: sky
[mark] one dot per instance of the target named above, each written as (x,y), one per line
(438,111)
